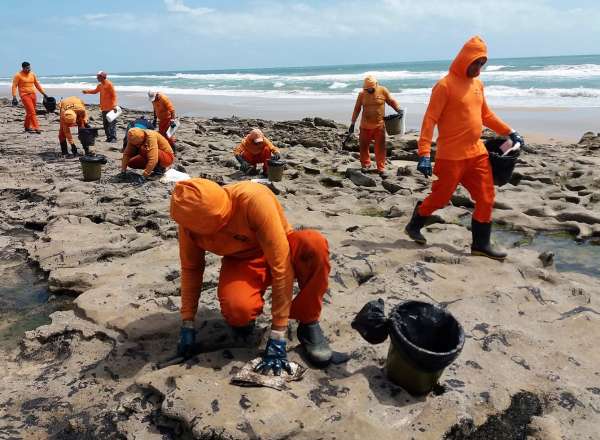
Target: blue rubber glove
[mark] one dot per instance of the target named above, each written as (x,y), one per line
(424,166)
(187,339)
(516,137)
(274,358)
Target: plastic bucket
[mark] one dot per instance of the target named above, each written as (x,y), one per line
(425,339)
(394,124)
(49,104)
(112,115)
(275,170)
(502,166)
(87,136)
(92,166)
(173,128)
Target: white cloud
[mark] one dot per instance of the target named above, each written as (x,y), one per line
(179,6)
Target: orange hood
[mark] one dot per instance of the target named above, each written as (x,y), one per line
(369,82)
(473,49)
(200,205)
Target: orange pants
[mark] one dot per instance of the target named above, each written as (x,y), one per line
(139,162)
(29,101)
(163,126)
(474,174)
(61,134)
(243,282)
(376,135)
(262,157)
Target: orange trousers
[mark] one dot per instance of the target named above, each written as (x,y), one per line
(475,174)
(376,135)
(262,157)
(61,134)
(163,126)
(139,161)
(29,101)
(243,282)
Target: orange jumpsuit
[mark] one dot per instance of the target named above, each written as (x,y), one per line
(165,112)
(77,105)
(459,109)
(153,150)
(372,125)
(108,96)
(254,153)
(27,83)
(245,224)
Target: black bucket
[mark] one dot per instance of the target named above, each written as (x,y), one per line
(91,166)
(49,104)
(275,169)
(87,136)
(502,166)
(425,339)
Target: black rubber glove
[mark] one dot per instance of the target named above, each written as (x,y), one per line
(187,339)
(275,156)
(424,166)
(173,124)
(87,125)
(516,137)
(351,128)
(400,112)
(15,102)
(274,358)
(244,165)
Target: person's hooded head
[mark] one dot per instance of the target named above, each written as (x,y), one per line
(101,76)
(255,141)
(152,95)
(370,83)
(470,59)
(135,136)
(69,117)
(200,206)
(26,66)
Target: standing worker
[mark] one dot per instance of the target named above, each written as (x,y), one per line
(255,148)
(27,83)
(108,102)
(244,223)
(147,150)
(371,100)
(72,113)
(459,109)
(164,112)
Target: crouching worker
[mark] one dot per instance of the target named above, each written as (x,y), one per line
(147,150)
(255,149)
(246,225)
(459,109)
(72,114)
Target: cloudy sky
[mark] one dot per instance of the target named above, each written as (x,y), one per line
(67,36)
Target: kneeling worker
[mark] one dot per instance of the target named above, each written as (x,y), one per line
(255,149)
(72,113)
(245,224)
(147,150)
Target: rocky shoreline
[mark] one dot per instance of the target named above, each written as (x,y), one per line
(529,366)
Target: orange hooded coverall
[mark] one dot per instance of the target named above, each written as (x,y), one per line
(108,95)
(372,125)
(255,153)
(73,104)
(165,113)
(27,82)
(459,109)
(245,224)
(145,149)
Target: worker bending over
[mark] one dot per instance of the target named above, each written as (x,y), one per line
(72,114)
(255,148)
(147,150)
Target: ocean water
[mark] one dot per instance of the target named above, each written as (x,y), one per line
(565,81)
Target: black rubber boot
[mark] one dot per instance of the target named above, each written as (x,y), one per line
(73,150)
(481,241)
(315,345)
(64,150)
(413,228)
(86,150)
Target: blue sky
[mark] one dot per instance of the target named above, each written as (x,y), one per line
(60,36)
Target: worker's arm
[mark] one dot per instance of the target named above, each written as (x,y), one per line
(38,86)
(391,101)
(491,120)
(152,154)
(92,91)
(192,260)
(437,103)
(357,108)
(170,108)
(127,154)
(15,84)
(272,148)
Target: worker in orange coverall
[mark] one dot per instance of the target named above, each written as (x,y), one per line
(108,102)
(459,109)
(371,100)
(164,111)
(245,224)
(147,150)
(27,83)
(72,114)
(255,149)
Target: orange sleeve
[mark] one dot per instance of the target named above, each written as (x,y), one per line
(272,148)
(127,154)
(37,85)
(192,260)
(15,83)
(265,220)
(491,120)
(437,103)
(391,101)
(92,91)
(169,106)
(239,150)
(152,154)
(357,107)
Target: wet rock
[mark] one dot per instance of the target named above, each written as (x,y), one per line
(320,122)
(547,258)
(359,179)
